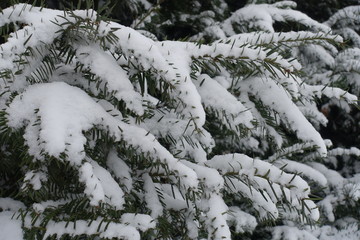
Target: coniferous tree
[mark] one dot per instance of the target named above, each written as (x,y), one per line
(108,132)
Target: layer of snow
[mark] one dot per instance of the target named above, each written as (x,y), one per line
(63,122)
(10,226)
(98,226)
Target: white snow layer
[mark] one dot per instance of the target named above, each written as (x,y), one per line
(10,227)
(55,115)
(257,170)
(265,90)
(266,15)
(9,204)
(62,123)
(98,226)
(115,77)
(242,221)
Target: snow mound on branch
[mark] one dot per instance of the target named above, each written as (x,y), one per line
(10,227)
(55,115)
(64,113)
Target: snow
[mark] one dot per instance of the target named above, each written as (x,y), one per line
(93,186)
(168,126)
(288,111)
(260,200)
(264,174)
(148,53)
(192,227)
(120,170)
(314,116)
(171,197)
(345,17)
(290,38)
(39,30)
(25,13)
(63,122)
(319,54)
(353,191)
(55,116)
(347,62)
(302,169)
(216,216)
(291,233)
(114,195)
(326,205)
(142,222)
(242,221)
(9,204)
(343,151)
(266,15)
(349,33)
(35,179)
(350,232)
(208,176)
(334,178)
(331,92)
(214,96)
(98,226)
(10,227)
(151,197)
(115,78)
(42,206)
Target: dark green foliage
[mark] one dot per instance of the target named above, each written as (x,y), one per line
(174,20)
(321,10)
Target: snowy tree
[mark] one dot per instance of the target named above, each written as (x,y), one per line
(108,132)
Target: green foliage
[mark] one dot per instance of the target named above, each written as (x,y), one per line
(164,126)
